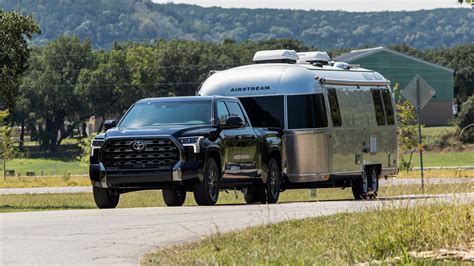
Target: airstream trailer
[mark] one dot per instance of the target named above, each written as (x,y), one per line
(337,120)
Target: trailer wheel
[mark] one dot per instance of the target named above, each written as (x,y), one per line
(104,198)
(360,186)
(174,197)
(373,182)
(207,192)
(254,194)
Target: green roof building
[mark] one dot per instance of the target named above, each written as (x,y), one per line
(401,68)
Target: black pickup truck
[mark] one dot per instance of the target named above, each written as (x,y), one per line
(179,144)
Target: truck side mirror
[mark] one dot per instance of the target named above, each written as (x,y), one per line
(108,124)
(232,122)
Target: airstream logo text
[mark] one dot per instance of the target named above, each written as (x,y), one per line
(257,88)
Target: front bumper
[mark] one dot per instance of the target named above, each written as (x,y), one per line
(182,173)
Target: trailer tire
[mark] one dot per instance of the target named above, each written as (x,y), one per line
(104,198)
(254,194)
(373,183)
(360,186)
(206,192)
(174,197)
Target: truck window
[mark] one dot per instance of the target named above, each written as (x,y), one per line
(379,112)
(334,106)
(234,109)
(222,112)
(265,111)
(306,111)
(387,102)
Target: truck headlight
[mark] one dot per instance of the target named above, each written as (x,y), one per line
(192,141)
(96,145)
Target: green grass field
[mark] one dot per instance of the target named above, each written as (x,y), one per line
(465,158)
(43,202)
(46,166)
(342,239)
(436,131)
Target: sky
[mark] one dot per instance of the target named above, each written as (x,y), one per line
(346,5)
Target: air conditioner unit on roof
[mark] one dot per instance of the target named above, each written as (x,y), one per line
(275,56)
(314,57)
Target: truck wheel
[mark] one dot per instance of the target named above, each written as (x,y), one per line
(255,194)
(373,182)
(273,184)
(174,197)
(104,199)
(360,186)
(207,192)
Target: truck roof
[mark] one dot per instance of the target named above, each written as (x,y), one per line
(184,99)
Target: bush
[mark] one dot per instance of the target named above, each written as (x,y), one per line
(466,118)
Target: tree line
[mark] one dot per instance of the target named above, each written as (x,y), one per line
(67,80)
(107,21)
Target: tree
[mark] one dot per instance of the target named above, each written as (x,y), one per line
(465,119)
(50,86)
(15,30)
(7,142)
(407,128)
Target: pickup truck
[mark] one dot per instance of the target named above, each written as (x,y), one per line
(202,144)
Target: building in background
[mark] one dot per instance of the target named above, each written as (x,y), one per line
(401,68)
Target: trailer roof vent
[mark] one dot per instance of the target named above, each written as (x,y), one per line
(275,56)
(314,58)
(344,65)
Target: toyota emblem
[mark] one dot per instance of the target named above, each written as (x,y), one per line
(138,145)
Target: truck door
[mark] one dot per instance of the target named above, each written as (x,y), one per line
(248,142)
(231,145)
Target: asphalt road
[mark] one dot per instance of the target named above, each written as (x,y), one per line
(88,189)
(123,236)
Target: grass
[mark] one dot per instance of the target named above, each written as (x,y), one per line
(43,202)
(436,131)
(340,239)
(46,166)
(465,158)
(443,173)
(44,181)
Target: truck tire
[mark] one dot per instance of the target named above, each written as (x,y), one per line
(373,182)
(273,184)
(360,186)
(174,197)
(206,192)
(104,199)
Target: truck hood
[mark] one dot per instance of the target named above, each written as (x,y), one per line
(178,131)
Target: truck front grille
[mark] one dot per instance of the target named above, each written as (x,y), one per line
(157,154)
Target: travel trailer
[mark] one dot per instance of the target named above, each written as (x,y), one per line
(337,120)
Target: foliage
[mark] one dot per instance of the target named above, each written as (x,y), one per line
(85,146)
(15,29)
(50,86)
(7,141)
(122,20)
(466,118)
(342,239)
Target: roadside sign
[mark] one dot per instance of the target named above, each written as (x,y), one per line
(418,85)
(419,93)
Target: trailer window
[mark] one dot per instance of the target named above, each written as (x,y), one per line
(379,113)
(334,106)
(306,111)
(387,102)
(265,111)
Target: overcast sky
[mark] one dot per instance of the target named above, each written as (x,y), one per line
(346,5)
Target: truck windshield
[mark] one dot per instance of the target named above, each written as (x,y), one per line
(147,114)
